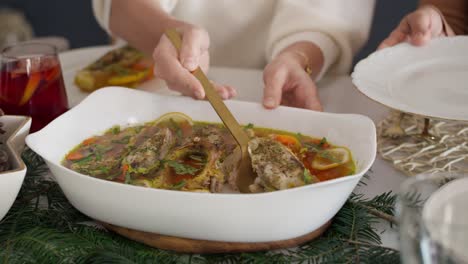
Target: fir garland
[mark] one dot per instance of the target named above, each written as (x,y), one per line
(42,227)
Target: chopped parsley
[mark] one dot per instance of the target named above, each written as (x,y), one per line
(313,147)
(137,129)
(308,177)
(323,141)
(128,178)
(299,136)
(112,176)
(249,126)
(98,155)
(100,150)
(115,130)
(84,159)
(179,185)
(180,168)
(104,169)
(327,155)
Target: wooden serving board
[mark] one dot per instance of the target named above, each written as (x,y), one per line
(186,245)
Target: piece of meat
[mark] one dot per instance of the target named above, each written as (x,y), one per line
(151,147)
(103,157)
(276,166)
(207,175)
(230,166)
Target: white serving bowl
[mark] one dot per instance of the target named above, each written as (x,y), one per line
(219,217)
(17,128)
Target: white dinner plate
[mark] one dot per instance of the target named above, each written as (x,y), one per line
(74,60)
(248,82)
(430,81)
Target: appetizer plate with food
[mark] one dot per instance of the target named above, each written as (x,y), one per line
(165,165)
(88,69)
(14,130)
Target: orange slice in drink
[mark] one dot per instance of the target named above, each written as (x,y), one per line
(31,86)
(52,74)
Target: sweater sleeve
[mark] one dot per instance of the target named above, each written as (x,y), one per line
(102,10)
(339,28)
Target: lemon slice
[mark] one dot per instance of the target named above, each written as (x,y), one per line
(125,79)
(330,158)
(85,80)
(176,117)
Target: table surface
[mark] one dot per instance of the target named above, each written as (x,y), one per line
(337,94)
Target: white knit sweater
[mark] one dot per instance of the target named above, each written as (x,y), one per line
(249,33)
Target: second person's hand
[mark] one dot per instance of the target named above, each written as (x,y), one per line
(176,68)
(286,81)
(417,28)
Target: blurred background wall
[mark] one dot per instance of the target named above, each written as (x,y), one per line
(73,20)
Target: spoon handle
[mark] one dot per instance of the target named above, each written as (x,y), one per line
(213,97)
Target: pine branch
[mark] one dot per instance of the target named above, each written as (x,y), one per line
(381,206)
(379,214)
(57,233)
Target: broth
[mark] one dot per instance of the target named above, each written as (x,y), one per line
(177,153)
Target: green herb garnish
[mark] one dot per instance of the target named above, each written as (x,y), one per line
(84,160)
(128,178)
(104,169)
(327,155)
(98,155)
(307,176)
(117,68)
(180,168)
(323,141)
(179,185)
(137,129)
(299,136)
(249,126)
(313,147)
(112,176)
(115,130)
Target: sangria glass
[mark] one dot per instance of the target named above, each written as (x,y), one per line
(31,83)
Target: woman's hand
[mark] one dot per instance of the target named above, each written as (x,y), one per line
(287,83)
(418,28)
(176,69)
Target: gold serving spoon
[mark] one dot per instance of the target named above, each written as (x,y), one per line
(246,175)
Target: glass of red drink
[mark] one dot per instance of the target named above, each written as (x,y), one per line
(31,83)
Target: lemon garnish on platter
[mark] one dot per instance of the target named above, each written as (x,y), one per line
(176,117)
(330,158)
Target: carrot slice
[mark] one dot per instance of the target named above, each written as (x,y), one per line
(125,168)
(31,87)
(121,178)
(287,140)
(89,141)
(140,66)
(75,155)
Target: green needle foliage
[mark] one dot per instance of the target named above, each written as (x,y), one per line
(43,227)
